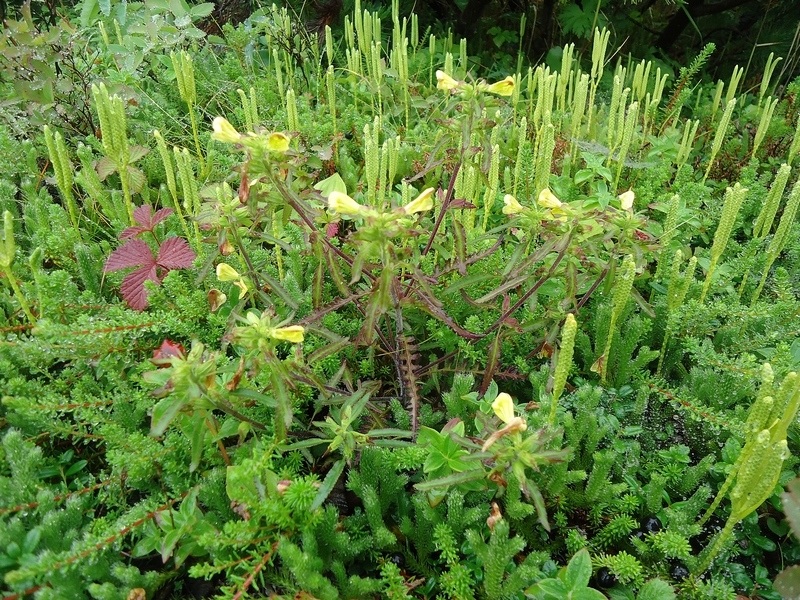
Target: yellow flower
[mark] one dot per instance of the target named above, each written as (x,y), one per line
(502,88)
(293,334)
(344,205)
(503,407)
(224,131)
(547,199)
(421,203)
(445,82)
(512,207)
(626,200)
(228,273)
(278,142)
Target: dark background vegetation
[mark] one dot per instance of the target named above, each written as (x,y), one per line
(670,32)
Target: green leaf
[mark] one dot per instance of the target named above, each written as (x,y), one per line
(178,8)
(307,444)
(201,10)
(105,7)
(164,412)
(75,468)
(261,399)
(655,589)
(137,179)
(89,12)
(587,594)
(579,570)
(384,432)
(198,437)
(552,588)
(327,484)
(334,183)
(453,479)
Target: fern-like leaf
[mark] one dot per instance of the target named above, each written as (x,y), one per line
(407,357)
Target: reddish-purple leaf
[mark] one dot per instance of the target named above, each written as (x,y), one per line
(161,214)
(168,349)
(144,215)
(132,288)
(133,253)
(147,221)
(132,232)
(175,253)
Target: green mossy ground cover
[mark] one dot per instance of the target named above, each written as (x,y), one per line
(337,318)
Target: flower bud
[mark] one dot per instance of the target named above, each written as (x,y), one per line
(293,334)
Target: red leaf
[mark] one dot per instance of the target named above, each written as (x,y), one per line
(132,232)
(166,351)
(144,215)
(133,253)
(175,253)
(160,215)
(132,288)
(147,221)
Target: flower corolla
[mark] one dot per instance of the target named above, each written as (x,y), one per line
(224,131)
(421,203)
(504,87)
(343,204)
(626,200)
(512,206)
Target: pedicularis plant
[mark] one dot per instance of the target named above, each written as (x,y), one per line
(394,330)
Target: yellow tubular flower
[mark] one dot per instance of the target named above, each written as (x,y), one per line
(421,203)
(502,88)
(547,199)
(228,273)
(278,142)
(503,407)
(626,200)
(445,82)
(224,131)
(344,205)
(512,207)
(293,334)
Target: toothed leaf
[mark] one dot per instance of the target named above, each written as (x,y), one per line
(133,253)
(175,253)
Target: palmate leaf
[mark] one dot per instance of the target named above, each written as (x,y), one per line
(174,253)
